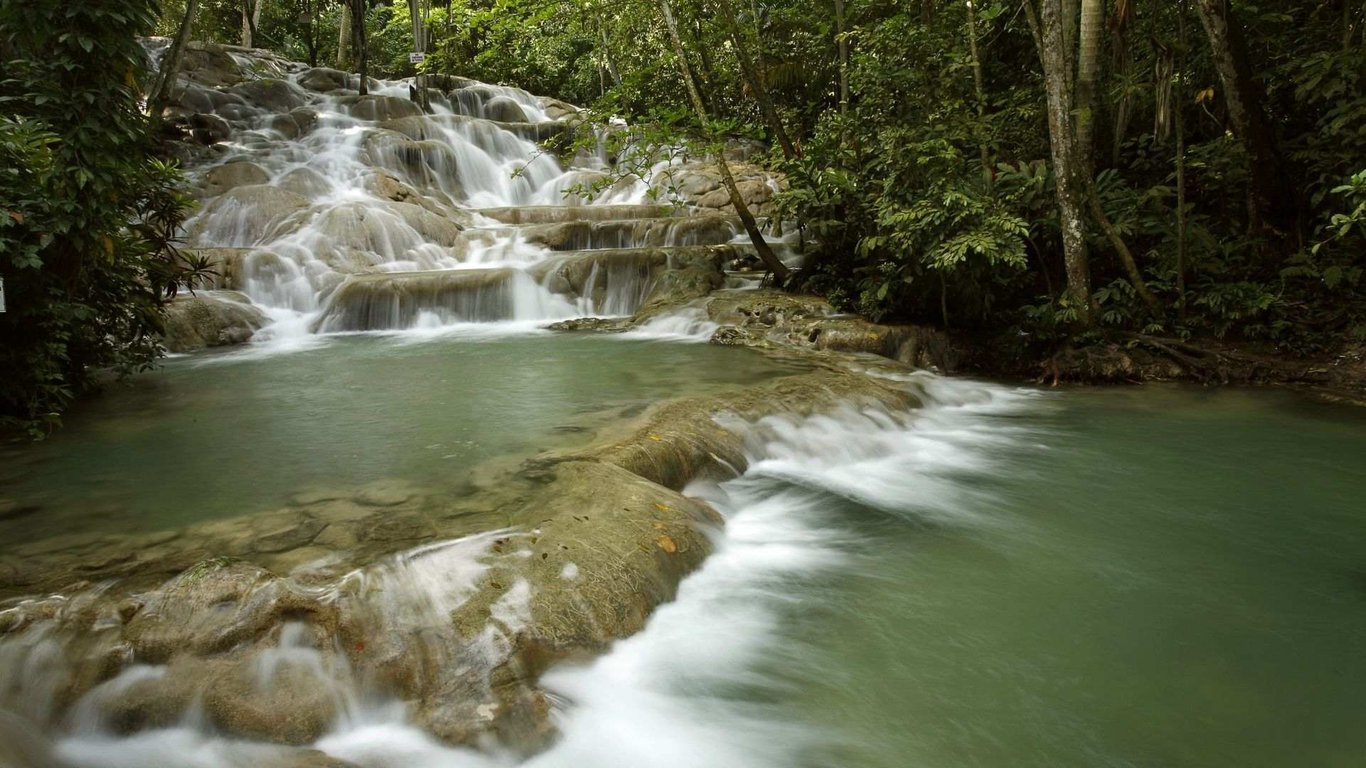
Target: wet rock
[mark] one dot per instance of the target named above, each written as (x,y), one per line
(598,324)
(504,110)
(239,173)
(72,542)
(754,193)
(210,319)
(305,182)
(765,318)
(379,108)
(209,129)
(385,493)
(271,94)
(556,109)
(310,497)
(288,535)
(325,80)
(295,124)
(245,216)
(210,64)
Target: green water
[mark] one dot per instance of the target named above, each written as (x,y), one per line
(1161,577)
(213,436)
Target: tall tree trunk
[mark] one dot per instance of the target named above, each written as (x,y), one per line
(1180,163)
(766,255)
(358,44)
(1270,203)
(607,56)
(843,43)
(1047,24)
(1088,65)
(170,68)
(927,12)
(251,20)
(344,39)
(755,83)
(979,86)
(416,13)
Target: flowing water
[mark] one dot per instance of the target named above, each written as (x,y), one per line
(1154,577)
(1127,578)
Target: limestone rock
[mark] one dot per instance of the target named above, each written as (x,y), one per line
(210,319)
(209,129)
(210,64)
(325,80)
(379,108)
(271,94)
(239,173)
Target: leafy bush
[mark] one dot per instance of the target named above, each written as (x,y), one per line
(86,212)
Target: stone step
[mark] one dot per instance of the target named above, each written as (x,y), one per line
(557,214)
(703,229)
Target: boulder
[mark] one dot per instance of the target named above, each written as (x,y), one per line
(210,319)
(209,129)
(504,110)
(379,108)
(244,216)
(271,94)
(295,124)
(210,64)
(238,173)
(305,182)
(325,80)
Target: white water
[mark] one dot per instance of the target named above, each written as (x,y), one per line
(420,197)
(701,686)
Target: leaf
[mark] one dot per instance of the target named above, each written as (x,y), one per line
(667,544)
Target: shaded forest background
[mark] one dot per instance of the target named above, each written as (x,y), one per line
(1033,172)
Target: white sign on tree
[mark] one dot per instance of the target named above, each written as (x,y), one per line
(416,58)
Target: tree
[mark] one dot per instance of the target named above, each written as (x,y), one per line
(1270,198)
(1048,23)
(766,255)
(86,211)
(160,96)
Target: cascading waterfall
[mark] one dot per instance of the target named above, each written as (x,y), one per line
(318,190)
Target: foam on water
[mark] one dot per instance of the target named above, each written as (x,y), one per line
(703,685)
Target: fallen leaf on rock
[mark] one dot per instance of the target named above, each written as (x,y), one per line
(667,544)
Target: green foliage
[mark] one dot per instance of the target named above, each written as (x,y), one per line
(86,213)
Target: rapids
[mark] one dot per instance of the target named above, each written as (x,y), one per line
(993,579)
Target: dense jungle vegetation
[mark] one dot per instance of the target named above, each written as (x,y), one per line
(1038,171)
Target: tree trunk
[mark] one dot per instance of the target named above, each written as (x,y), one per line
(170,67)
(752,79)
(979,86)
(344,39)
(1047,24)
(251,19)
(1270,203)
(358,44)
(843,43)
(1088,61)
(770,259)
(607,56)
(1180,165)
(415,12)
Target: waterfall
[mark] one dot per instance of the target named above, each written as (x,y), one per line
(340,213)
